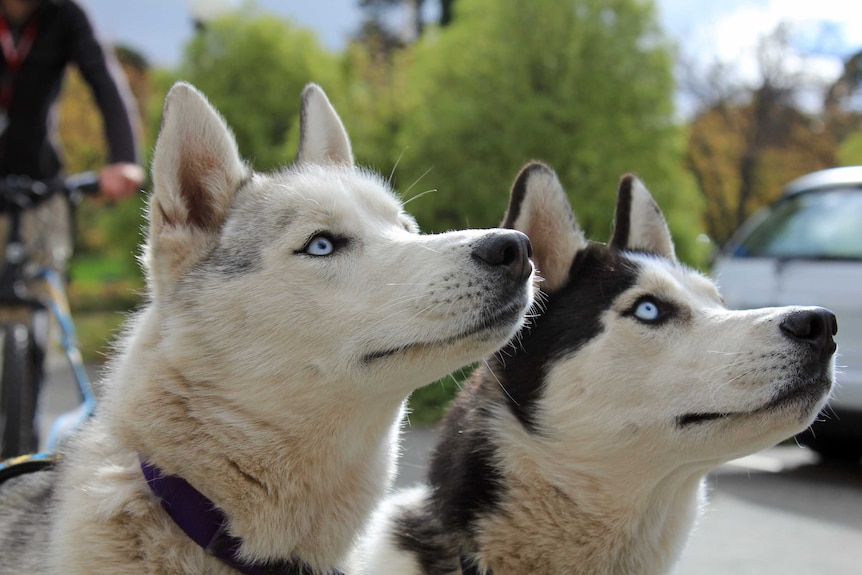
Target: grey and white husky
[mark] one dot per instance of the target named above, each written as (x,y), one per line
(582,449)
(250,420)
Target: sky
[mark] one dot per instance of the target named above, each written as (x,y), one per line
(160,28)
(705,30)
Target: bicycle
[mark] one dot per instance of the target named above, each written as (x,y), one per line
(24,319)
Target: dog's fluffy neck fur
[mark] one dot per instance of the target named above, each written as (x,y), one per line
(599,518)
(613,521)
(329,483)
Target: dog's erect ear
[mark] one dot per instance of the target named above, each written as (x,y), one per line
(196,172)
(322,137)
(196,164)
(538,206)
(639,224)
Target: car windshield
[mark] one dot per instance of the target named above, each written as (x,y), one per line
(812,225)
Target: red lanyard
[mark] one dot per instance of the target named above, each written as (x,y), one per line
(15,56)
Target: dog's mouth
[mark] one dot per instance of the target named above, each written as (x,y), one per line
(805,395)
(491,324)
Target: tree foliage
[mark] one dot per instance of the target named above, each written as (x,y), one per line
(742,156)
(746,143)
(253,67)
(850,152)
(843,101)
(585,86)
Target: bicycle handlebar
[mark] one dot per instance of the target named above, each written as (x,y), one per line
(18,193)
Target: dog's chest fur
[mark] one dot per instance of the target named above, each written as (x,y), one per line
(283,490)
(544,516)
(584,526)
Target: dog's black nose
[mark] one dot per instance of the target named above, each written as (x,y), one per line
(509,250)
(814,326)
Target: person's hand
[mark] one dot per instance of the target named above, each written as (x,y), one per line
(120,180)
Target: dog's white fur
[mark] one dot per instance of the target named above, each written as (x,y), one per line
(606,483)
(270,379)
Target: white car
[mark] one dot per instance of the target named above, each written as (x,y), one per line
(806,249)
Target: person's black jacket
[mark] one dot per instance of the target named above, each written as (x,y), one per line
(64,35)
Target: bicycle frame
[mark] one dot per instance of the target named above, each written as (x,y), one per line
(58,303)
(19,303)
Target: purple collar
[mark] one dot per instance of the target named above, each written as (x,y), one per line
(206,525)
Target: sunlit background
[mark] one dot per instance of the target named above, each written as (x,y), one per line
(715,105)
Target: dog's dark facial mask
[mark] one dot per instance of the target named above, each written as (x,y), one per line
(650,307)
(581,280)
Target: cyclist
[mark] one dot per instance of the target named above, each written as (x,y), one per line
(38,40)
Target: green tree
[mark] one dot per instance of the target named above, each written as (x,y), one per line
(586,86)
(850,152)
(742,155)
(844,112)
(253,67)
(842,101)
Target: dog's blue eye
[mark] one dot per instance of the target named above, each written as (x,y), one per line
(320,246)
(647,311)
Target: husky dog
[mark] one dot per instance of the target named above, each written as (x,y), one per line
(250,420)
(584,449)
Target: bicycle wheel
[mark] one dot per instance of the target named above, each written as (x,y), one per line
(19,391)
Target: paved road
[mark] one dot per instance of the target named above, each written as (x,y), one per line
(779,512)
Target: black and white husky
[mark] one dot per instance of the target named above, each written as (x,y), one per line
(583,448)
(250,421)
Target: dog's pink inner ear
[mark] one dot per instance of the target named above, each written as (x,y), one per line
(551,251)
(540,208)
(196,175)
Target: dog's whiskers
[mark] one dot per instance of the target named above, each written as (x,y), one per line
(503,387)
(398,161)
(419,195)
(425,173)
(459,383)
